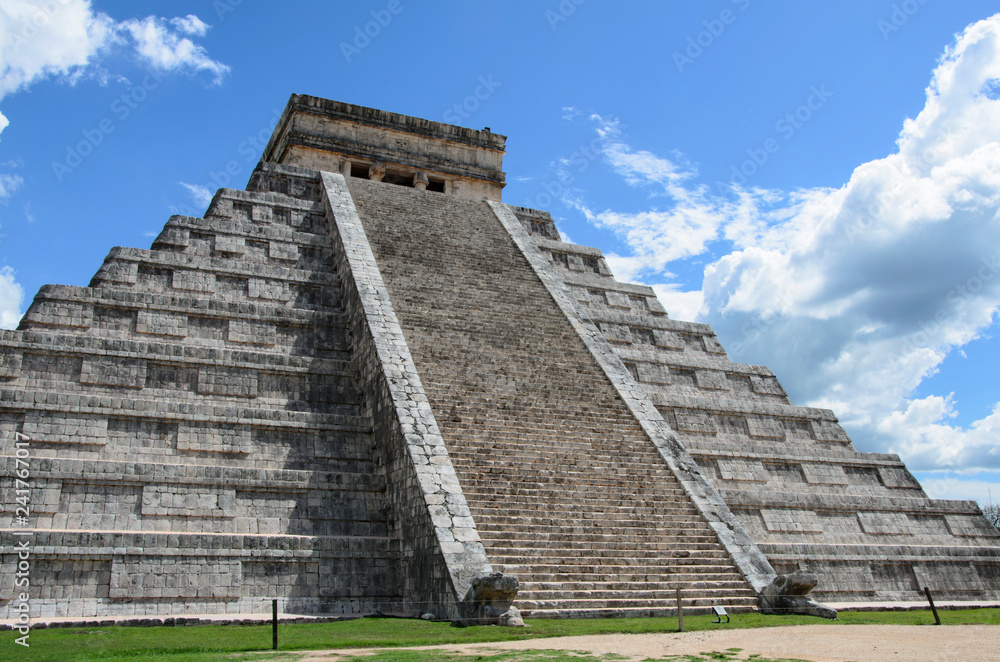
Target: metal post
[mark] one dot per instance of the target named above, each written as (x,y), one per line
(680,613)
(937,619)
(274,624)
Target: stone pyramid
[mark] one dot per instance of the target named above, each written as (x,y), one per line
(364,381)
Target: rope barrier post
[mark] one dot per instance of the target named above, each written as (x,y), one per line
(274,624)
(680,612)
(937,619)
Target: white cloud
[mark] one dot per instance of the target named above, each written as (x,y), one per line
(166,50)
(65,39)
(191,25)
(9,184)
(200,195)
(570,113)
(39,39)
(11,298)
(656,236)
(852,295)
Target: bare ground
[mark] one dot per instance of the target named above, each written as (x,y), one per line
(815,643)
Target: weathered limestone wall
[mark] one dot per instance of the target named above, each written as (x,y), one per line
(197,440)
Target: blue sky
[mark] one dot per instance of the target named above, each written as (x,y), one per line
(818,181)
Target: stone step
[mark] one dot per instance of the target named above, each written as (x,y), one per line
(540,538)
(580,505)
(571,524)
(172,410)
(653,611)
(537,448)
(598,424)
(597,580)
(614,583)
(563,470)
(731,589)
(528,476)
(595,500)
(161,350)
(213,264)
(722,598)
(203,304)
(569,466)
(590,555)
(696,561)
(603,581)
(581,459)
(545,486)
(557,492)
(173,235)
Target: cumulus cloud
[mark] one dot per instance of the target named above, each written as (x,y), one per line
(853,295)
(48,38)
(65,39)
(11,298)
(41,39)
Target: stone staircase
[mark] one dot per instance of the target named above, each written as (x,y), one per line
(564,487)
(789,473)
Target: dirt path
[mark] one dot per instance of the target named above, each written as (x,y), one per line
(815,643)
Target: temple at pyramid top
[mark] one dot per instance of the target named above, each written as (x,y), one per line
(334,136)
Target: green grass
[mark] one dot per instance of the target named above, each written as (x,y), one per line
(229,643)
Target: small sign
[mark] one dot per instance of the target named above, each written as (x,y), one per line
(719,613)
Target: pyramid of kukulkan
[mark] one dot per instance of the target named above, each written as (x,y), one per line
(365,381)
